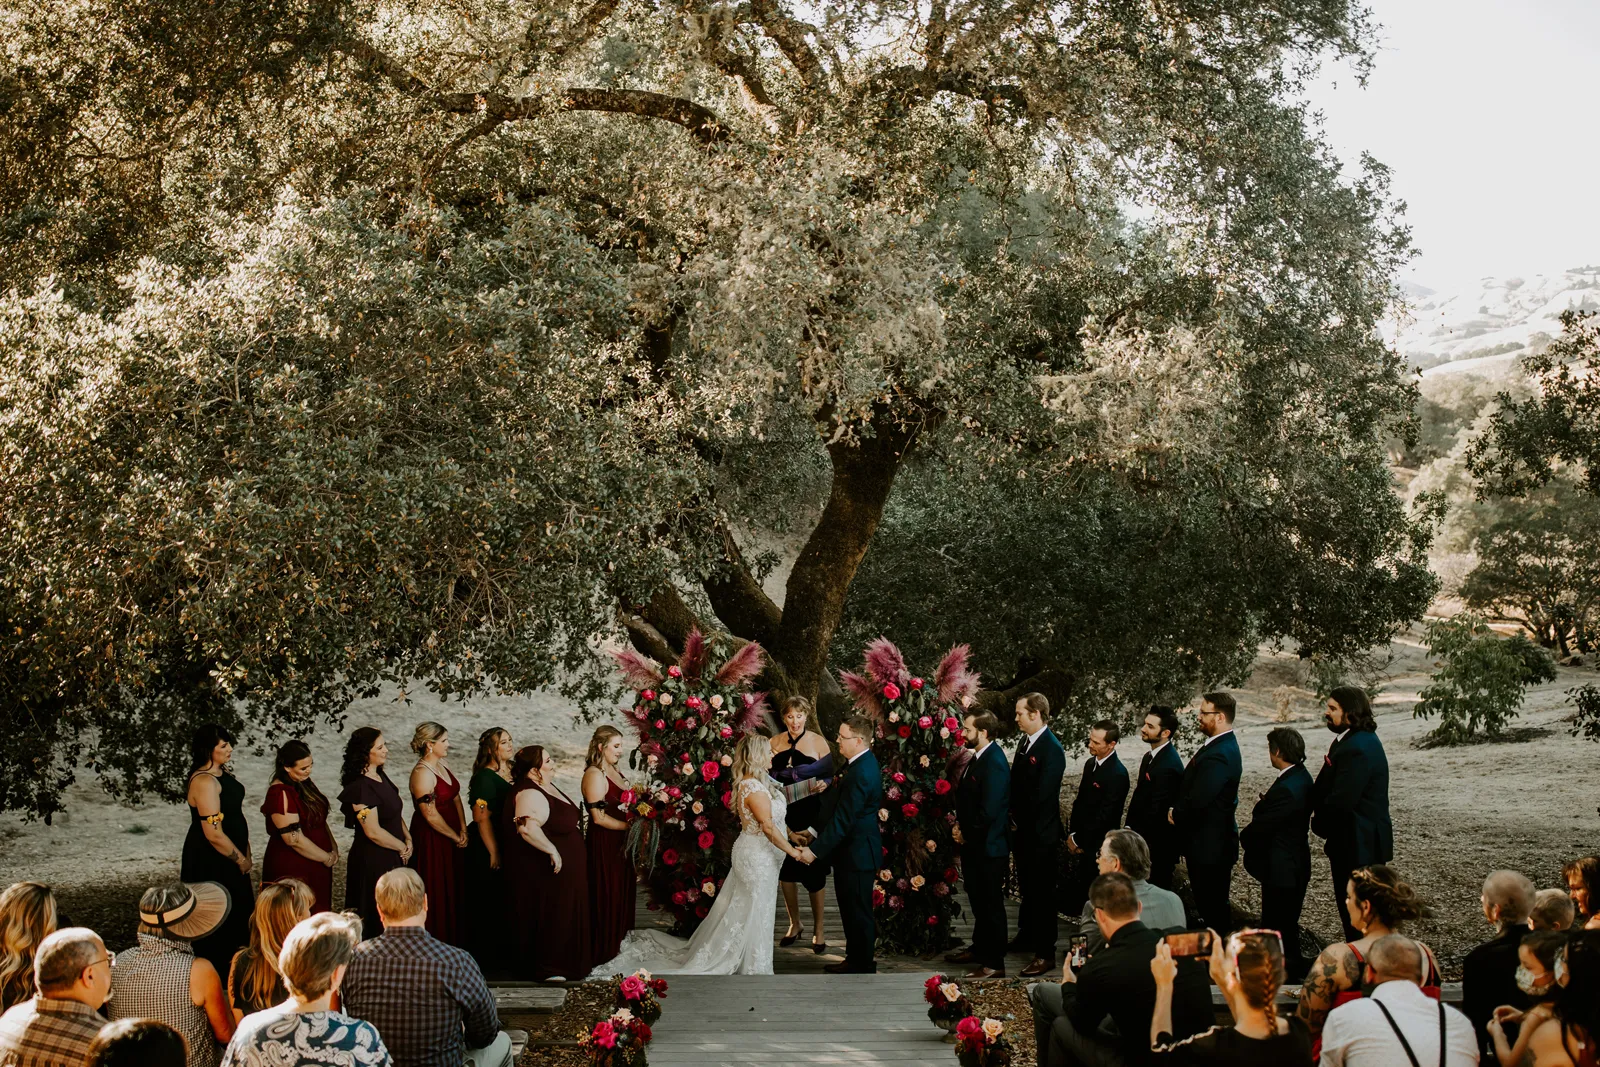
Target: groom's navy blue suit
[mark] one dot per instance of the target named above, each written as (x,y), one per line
(848,836)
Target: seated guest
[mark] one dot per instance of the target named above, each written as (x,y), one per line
(1570,1037)
(1125,851)
(27,917)
(1248,968)
(57,1025)
(305,1031)
(1371,1031)
(1583,886)
(138,1043)
(1536,977)
(1489,973)
(1378,902)
(253,981)
(162,978)
(428,999)
(1116,986)
(1552,910)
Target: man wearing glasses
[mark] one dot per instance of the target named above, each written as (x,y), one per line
(1203,813)
(849,838)
(73,972)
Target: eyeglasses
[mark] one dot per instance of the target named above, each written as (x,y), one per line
(108,959)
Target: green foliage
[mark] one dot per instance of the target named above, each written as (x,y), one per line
(1364,668)
(1586,719)
(1480,680)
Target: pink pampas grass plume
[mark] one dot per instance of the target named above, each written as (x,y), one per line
(755,712)
(885,663)
(638,670)
(742,666)
(695,655)
(954,679)
(863,692)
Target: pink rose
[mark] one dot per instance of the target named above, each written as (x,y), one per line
(604,1034)
(898,777)
(725,733)
(674,792)
(661,724)
(627,798)
(632,988)
(891,692)
(933,920)
(680,898)
(710,770)
(706,839)
(926,722)
(941,787)
(727,799)
(648,694)
(916,683)
(969,1027)
(695,703)
(952,724)
(909,810)
(670,857)
(674,672)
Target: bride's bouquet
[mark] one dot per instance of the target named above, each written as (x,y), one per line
(982,1043)
(618,1041)
(688,720)
(918,745)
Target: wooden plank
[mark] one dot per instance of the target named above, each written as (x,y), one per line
(525,1000)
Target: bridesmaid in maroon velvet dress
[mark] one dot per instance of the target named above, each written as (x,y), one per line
(547,879)
(439,829)
(299,843)
(613,884)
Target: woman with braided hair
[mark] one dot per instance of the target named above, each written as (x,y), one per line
(1379,901)
(1248,967)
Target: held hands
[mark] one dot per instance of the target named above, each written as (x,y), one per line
(243,862)
(806,856)
(461,839)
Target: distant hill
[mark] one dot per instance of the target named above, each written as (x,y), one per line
(1483,327)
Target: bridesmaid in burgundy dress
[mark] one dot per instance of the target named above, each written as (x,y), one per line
(439,828)
(299,843)
(547,878)
(612,881)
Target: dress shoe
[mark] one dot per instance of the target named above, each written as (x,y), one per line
(959,956)
(843,967)
(787,939)
(819,947)
(1037,967)
(979,973)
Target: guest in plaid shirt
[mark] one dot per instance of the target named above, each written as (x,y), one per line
(72,970)
(428,999)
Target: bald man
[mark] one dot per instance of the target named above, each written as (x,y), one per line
(1489,973)
(1397,1023)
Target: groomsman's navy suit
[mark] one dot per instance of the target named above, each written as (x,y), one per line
(1036,774)
(1154,793)
(1096,811)
(1277,853)
(1350,811)
(982,810)
(1203,816)
(848,836)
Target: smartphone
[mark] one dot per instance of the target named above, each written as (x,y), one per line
(1192,943)
(1078,951)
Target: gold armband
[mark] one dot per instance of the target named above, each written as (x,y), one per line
(212,820)
(480,804)
(361,816)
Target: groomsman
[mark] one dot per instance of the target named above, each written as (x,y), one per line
(1277,844)
(1036,775)
(1203,812)
(982,814)
(1350,802)
(1096,811)
(1160,775)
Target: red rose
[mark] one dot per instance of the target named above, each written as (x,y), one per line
(725,733)
(670,857)
(952,724)
(898,777)
(710,770)
(659,985)
(707,839)
(904,731)
(969,1027)
(680,898)
(941,787)
(694,703)
(648,694)
(700,910)
(933,920)
(926,722)
(674,792)
(661,724)
(677,724)
(674,672)
(727,799)
(951,874)
(909,810)
(916,683)
(877,897)
(891,692)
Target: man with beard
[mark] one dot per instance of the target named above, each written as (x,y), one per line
(1203,812)
(1096,810)
(982,818)
(1350,801)
(1160,775)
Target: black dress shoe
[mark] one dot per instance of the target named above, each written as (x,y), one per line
(787,939)
(959,956)
(840,968)
(980,973)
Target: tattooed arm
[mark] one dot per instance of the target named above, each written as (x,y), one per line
(1334,971)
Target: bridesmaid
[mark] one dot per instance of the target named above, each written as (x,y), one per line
(800,755)
(612,881)
(371,806)
(439,829)
(218,846)
(546,876)
(299,843)
(486,894)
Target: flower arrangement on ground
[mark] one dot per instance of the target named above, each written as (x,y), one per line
(688,720)
(641,994)
(918,745)
(947,1004)
(618,1041)
(982,1043)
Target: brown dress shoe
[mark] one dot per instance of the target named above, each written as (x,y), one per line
(979,973)
(959,956)
(1037,967)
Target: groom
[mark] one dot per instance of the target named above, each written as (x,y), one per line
(849,834)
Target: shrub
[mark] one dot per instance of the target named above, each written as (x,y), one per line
(1480,679)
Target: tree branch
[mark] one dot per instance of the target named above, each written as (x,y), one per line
(790,36)
(738,599)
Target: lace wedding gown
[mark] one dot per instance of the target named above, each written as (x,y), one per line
(736,935)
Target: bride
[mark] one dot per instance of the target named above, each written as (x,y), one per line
(736,936)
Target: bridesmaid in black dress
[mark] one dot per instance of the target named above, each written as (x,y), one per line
(372,808)
(547,877)
(218,846)
(801,756)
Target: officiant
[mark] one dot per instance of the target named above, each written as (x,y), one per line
(803,765)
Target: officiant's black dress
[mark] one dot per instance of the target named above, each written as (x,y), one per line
(788,767)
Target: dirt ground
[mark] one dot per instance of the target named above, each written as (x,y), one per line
(1459,813)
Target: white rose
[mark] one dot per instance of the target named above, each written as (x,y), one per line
(883,814)
(716,702)
(708,888)
(992,1028)
(933,846)
(885,875)
(923,761)
(951,991)
(917,881)
(894,716)
(687,770)
(622,1015)
(944,733)
(665,698)
(699,808)
(661,796)
(727,761)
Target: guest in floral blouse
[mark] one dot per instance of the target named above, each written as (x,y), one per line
(306,1031)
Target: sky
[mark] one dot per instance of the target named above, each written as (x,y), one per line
(1485,112)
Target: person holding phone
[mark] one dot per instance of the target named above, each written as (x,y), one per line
(1248,968)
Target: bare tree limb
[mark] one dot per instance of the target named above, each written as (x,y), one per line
(738,599)
(790,36)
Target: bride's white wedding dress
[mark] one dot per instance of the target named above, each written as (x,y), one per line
(736,935)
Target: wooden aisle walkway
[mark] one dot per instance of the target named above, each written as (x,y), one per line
(795,1019)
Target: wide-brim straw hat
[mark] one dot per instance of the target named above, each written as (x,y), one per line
(204,909)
